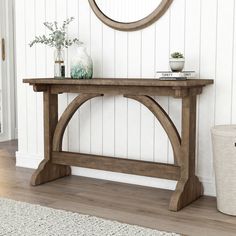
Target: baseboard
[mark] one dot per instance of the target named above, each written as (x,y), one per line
(32,161)
(209,186)
(124,178)
(28,160)
(16,133)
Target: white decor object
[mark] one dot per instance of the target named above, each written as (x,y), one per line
(18,218)
(81,64)
(177,62)
(224,152)
(169,75)
(59,63)
(58,39)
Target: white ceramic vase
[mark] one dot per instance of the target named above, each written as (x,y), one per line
(81,66)
(177,64)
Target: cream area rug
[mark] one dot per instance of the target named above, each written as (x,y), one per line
(24,219)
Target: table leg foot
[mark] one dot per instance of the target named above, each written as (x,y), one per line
(48,171)
(185,193)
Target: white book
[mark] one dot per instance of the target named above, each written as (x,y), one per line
(169,75)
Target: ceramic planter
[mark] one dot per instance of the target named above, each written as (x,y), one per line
(177,64)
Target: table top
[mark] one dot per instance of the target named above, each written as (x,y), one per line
(120,82)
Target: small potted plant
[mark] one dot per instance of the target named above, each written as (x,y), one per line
(177,62)
(59,40)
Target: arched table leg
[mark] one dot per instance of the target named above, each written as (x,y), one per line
(164,120)
(48,171)
(66,117)
(188,188)
(186,192)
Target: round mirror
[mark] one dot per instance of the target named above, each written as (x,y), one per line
(129,15)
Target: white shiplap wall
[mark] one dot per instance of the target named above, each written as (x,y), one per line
(203,29)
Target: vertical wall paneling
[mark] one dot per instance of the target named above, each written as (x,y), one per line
(61,15)
(50,17)
(108,54)
(148,71)
(40,68)
(73,32)
(134,108)
(121,70)
(233,99)
(85,110)
(96,103)
(224,61)
(203,30)
(162,63)
(20,68)
(192,35)
(30,64)
(206,101)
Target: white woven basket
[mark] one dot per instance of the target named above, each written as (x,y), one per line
(224,153)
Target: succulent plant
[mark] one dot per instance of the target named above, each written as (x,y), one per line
(177,55)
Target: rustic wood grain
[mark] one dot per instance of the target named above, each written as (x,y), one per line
(118,90)
(135,167)
(131,26)
(56,163)
(164,120)
(48,171)
(188,187)
(120,82)
(66,117)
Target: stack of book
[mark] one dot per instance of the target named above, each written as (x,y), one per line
(169,75)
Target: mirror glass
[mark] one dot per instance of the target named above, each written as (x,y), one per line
(127,11)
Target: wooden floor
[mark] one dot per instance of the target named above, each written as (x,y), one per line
(122,202)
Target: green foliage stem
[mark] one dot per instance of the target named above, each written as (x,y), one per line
(57,37)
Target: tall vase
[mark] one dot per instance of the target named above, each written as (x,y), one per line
(81,66)
(59,63)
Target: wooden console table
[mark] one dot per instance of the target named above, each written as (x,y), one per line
(56,163)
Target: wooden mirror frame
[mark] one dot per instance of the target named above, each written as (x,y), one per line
(132,26)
